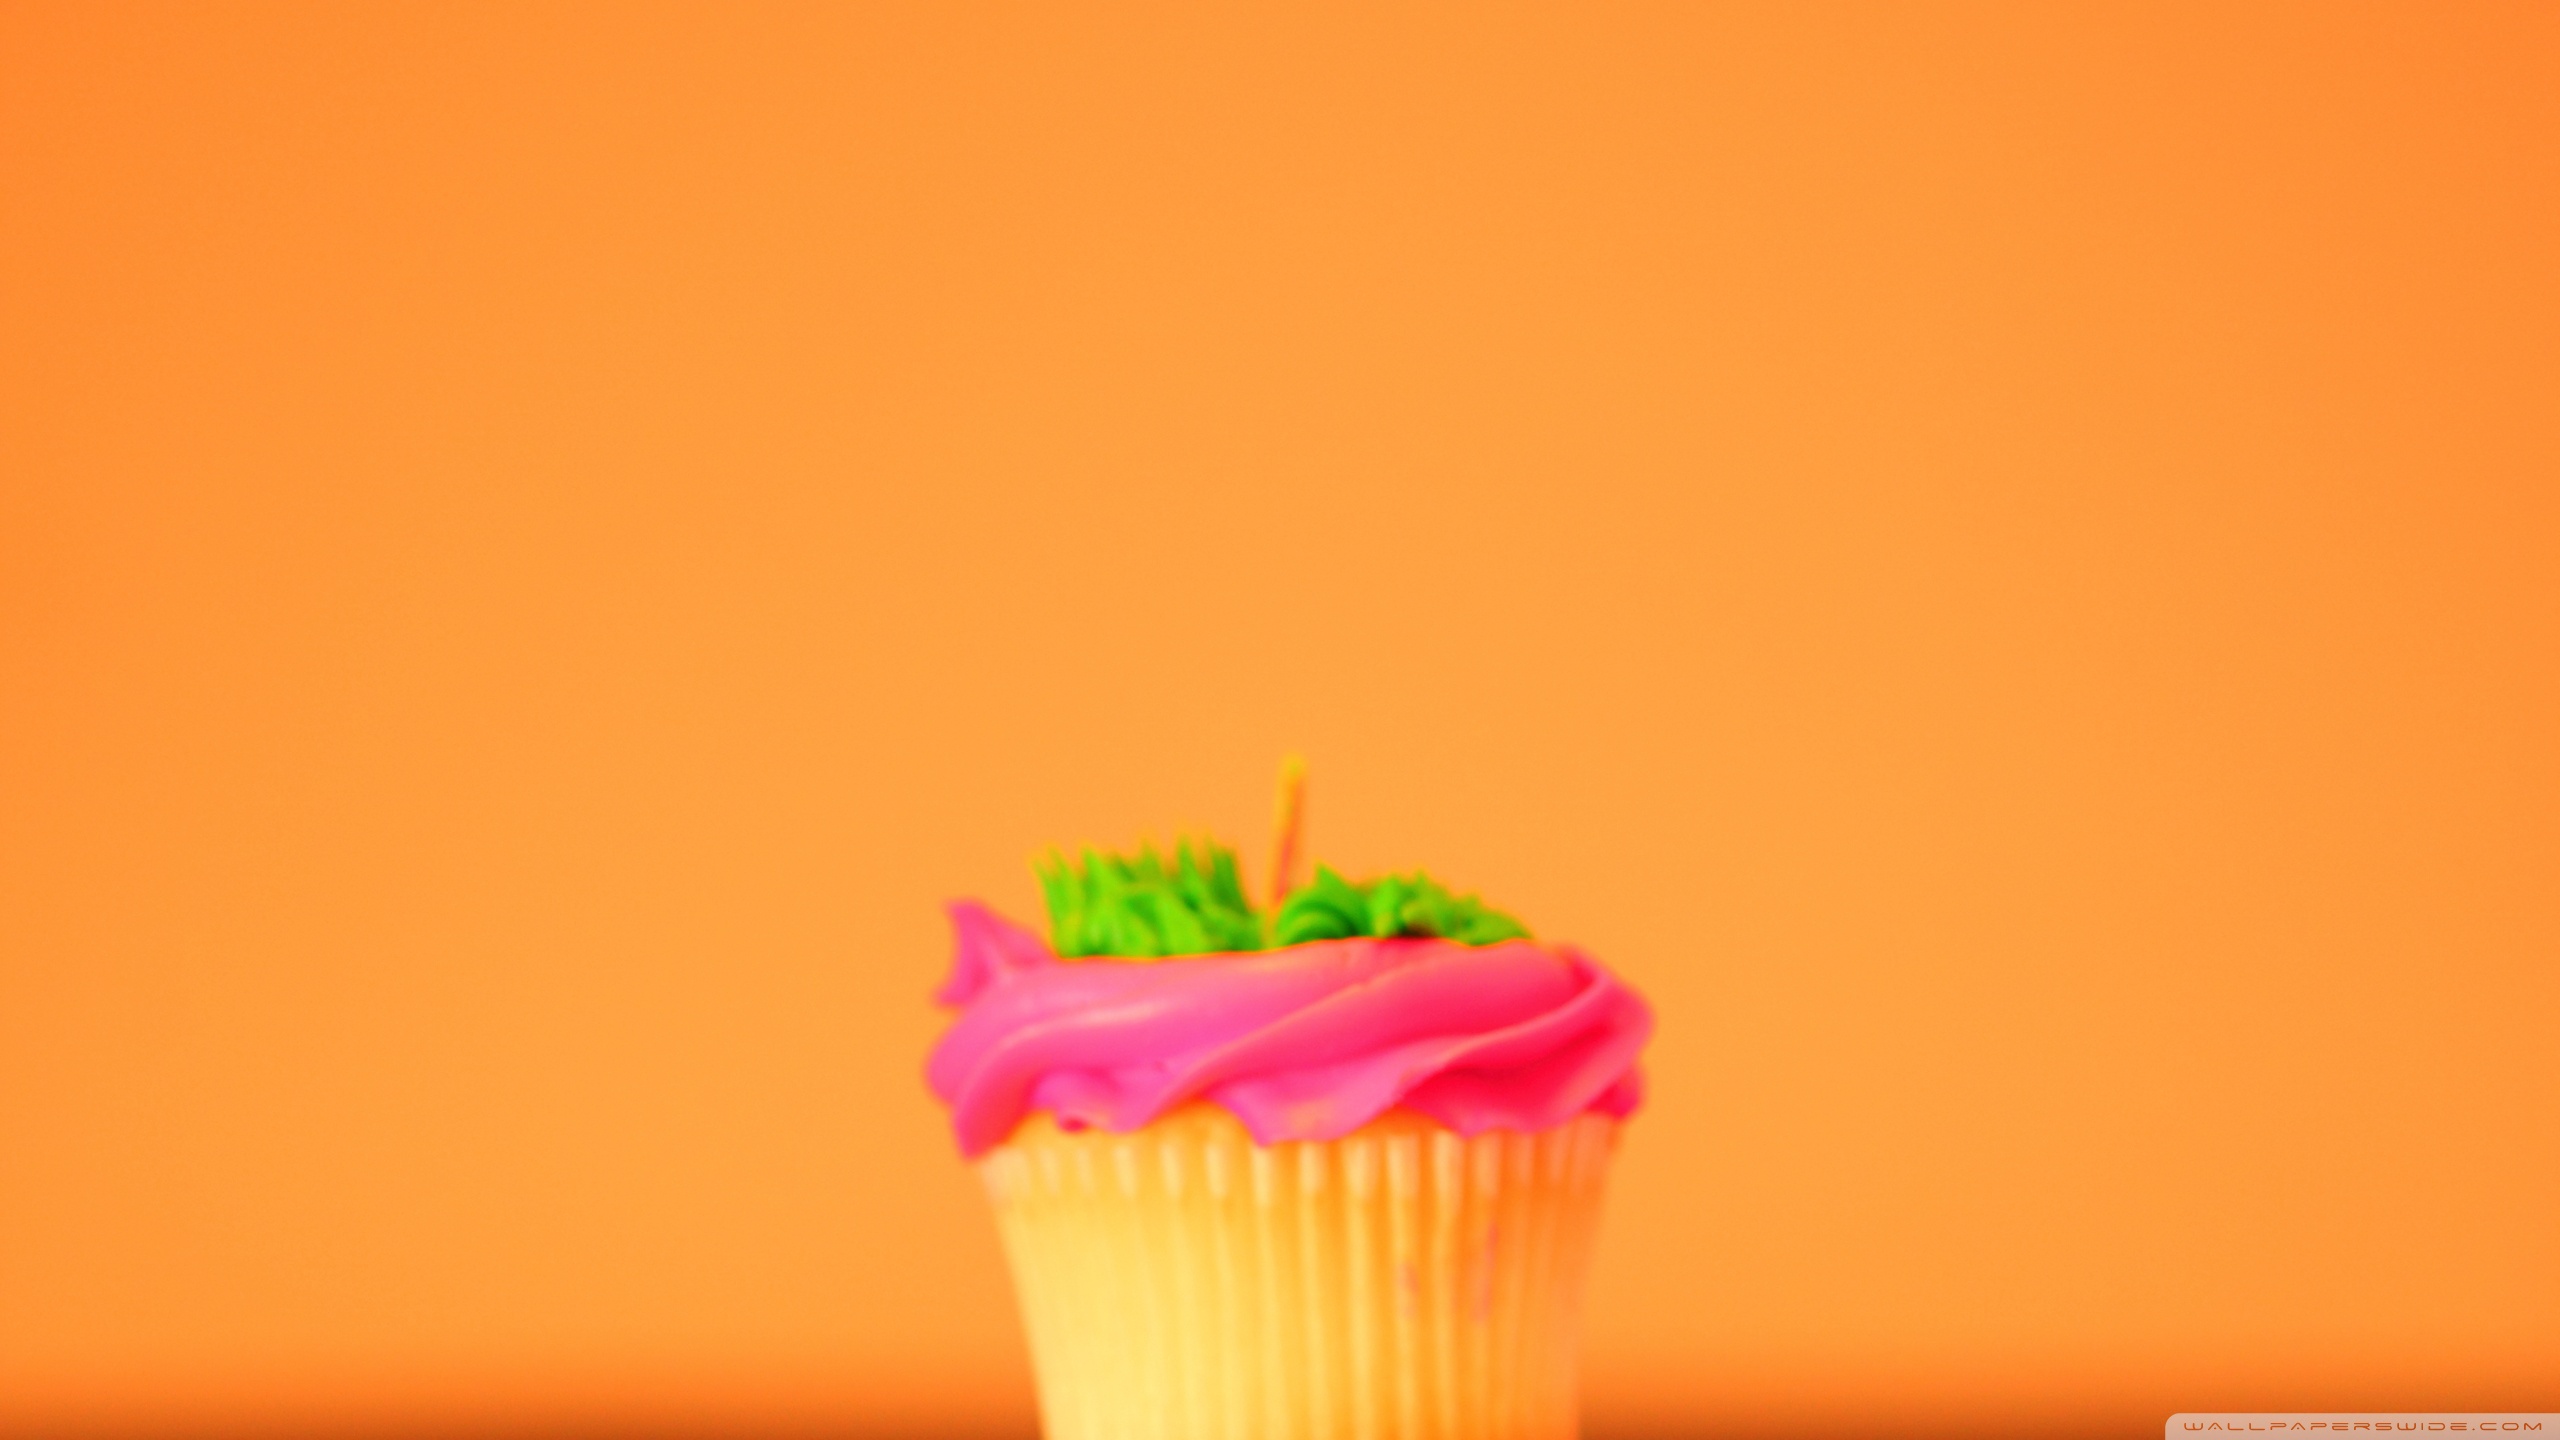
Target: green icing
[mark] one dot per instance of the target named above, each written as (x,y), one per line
(1151,906)
(1146,905)
(1333,908)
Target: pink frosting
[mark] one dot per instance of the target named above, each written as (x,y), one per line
(1307,1043)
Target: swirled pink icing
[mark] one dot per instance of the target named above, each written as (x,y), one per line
(1305,1043)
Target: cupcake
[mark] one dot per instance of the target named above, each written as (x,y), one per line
(1325,1168)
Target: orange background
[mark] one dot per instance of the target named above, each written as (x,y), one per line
(1999,564)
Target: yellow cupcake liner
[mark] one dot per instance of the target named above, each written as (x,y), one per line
(1401,1283)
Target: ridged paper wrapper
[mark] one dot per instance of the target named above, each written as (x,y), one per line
(1403,1282)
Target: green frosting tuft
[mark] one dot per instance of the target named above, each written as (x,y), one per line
(1334,909)
(1145,906)
(1151,906)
